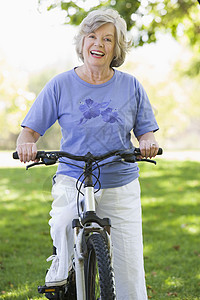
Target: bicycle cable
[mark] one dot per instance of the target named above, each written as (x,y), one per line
(78,187)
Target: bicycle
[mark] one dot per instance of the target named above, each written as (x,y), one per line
(91,276)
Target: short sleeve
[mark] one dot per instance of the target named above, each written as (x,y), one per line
(43,112)
(145,120)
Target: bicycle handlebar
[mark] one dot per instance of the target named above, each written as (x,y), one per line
(129,155)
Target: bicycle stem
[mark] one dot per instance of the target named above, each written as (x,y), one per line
(89,187)
(89,199)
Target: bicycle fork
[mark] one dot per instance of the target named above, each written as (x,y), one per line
(89,223)
(89,206)
(80,252)
(79,264)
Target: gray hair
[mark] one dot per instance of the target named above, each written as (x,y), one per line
(96,19)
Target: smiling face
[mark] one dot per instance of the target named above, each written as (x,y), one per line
(98,47)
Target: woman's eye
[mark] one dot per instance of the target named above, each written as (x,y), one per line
(91,36)
(108,40)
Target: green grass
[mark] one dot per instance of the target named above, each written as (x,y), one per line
(25,242)
(171,228)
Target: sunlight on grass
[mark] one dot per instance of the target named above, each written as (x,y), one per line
(193,230)
(8,194)
(19,293)
(147,249)
(174,282)
(198,275)
(171,228)
(14,294)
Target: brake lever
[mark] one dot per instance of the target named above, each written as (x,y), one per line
(45,161)
(147,160)
(34,164)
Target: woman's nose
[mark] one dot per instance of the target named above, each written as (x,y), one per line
(98,42)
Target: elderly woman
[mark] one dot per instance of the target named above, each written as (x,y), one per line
(97,106)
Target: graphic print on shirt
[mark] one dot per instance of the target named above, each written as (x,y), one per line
(91,109)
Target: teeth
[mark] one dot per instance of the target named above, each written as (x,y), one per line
(97,53)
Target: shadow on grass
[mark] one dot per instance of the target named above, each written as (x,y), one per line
(171,222)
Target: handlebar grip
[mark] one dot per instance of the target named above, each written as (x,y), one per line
(15,155)
(39,154)
(160,151)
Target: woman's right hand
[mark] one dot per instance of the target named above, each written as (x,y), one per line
(27,152)
(26,145)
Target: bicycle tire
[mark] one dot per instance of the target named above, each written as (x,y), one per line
(99,275)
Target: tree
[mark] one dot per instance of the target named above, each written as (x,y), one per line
(144,17)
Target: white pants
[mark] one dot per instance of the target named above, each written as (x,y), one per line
(122,205)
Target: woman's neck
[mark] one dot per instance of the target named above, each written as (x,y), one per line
(94,75)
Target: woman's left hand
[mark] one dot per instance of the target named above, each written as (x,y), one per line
(148,145)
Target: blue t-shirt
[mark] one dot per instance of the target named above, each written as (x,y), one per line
(94,118)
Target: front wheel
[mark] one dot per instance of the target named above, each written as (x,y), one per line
(99,276)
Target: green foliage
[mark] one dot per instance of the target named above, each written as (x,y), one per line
(37,80)
(15,100)
(174,98)
(179,17)
(77,17)
(194,68)
(145,19)
(171,222)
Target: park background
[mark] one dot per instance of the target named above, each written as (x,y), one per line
(36,43)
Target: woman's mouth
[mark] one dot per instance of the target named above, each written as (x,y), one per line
(97,53)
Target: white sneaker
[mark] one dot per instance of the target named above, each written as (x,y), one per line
(51,276)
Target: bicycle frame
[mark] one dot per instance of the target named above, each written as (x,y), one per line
(89,223)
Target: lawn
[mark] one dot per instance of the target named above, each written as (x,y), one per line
(171,228)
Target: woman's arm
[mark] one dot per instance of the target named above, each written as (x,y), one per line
(148,144)
(26,144)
